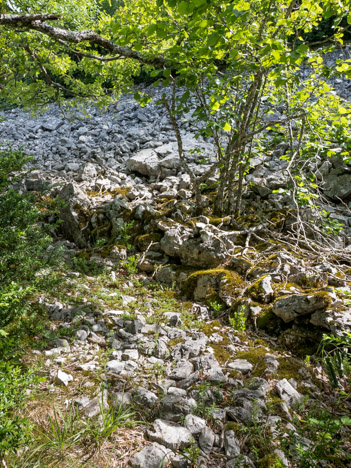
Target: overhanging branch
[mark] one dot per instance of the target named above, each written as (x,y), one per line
(35,22)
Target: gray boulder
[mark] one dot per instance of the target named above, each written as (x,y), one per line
(290,307)
(231,444)
(74,214)
(287,392)
(335,321)
(170,434)
(337,187)
(152,456)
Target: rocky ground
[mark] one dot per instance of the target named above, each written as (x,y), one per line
(210,361)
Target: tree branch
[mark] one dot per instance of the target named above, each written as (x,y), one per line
(25,20)
(35,22)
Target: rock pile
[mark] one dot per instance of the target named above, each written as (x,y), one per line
(197,387)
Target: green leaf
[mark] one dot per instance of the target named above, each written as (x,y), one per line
(185,8)
(349,19)
(213,39)
(152,29)
(227,127)
(198,3)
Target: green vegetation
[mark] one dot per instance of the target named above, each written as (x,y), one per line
(23,256)
(336,359)
(238,320)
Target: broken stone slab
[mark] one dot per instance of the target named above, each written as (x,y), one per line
(62,378)
(245,410)
(170,434)
(174,407)
(290,307)
(336,321)
(115,366)
(183,370)
(151,456)
(231,444)
(288,393)
(337,187)
(241,365)
(174,319)
(74,214)
(96,405)
(121,398)
(195,424)
(206,440)
(145,397)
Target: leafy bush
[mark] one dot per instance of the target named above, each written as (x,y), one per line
(13,383)
(23,253)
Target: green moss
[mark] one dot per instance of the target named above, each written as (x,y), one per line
(221,282)
(233,426)
(174,342)
(143,241)
(262,246)
(267,320)
(211,327)
(221,353)
(289,367)
(101,232)
(256,357)
(270,460)
(218,221)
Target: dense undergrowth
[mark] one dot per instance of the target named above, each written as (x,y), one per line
(24,253)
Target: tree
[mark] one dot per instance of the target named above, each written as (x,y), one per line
(236,61)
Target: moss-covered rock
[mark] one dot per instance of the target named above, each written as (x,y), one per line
(217,283)
(261,290)
(268,321)
(143,241)
(289,308)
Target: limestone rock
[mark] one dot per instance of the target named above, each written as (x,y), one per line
(151,456)
(231,444)
(241,365)
(287,392)
(74,213)
(195,424)
(62,378)
(335,321)
(170,434)
(337,186)
(290,307)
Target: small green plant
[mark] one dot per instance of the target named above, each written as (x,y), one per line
(100,242)
(64,431)
(336,358)
(131,264)
(109,421)
(318,438)
(238,321)
(216,308)
(125,233)
(192,453)
(87,267)
(330,226)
